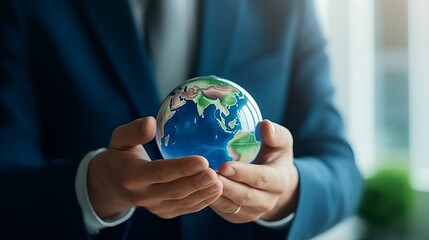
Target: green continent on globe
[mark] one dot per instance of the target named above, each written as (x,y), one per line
(243,147)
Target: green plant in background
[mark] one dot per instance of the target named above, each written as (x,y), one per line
(387,200)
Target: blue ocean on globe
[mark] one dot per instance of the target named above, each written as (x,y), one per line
(211,117)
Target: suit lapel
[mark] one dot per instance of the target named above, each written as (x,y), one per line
(115,30)
(116,33)
(218,36)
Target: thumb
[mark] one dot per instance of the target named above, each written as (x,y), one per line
(274,135)
(139,131)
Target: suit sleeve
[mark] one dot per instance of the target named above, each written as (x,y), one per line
(37,194)
(330,183)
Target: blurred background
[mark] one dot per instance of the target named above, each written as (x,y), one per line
(379,52)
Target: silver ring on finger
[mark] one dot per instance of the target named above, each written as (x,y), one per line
(236,210)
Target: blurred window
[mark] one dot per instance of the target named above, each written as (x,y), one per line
(379,55)
(418,15)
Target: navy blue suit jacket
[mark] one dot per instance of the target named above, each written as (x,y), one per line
(73,70)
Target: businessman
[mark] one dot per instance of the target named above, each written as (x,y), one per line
(80,81)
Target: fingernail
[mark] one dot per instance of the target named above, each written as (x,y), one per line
(197,167)
(229,172)
(273,129)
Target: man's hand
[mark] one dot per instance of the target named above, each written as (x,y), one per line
(124,176)
(265,190)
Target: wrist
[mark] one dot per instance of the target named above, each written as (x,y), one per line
(106,197)
(287,203)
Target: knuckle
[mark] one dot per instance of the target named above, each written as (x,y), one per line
(243,175)
(159,174)
(247,198)
(127,182)
(262,180)
(176,194)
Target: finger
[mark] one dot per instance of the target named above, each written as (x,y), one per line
(139,131)
(245,195)
(274,135)
(184,187)
(191,203)
(236,213)
(205,197)
(225,205)
(168,213)
(164,171)
(254,175)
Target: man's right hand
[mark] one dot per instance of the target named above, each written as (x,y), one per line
(123,176)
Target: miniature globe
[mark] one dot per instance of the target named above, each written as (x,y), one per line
(211,117)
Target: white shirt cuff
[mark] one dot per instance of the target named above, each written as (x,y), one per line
(276,224)
(93,223)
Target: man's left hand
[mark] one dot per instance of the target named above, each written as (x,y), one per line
(267,189)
